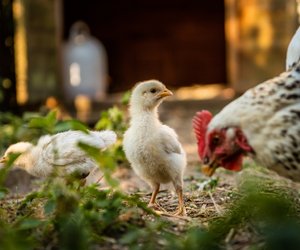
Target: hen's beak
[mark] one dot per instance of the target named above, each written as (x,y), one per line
(208,170)
(209,167)
(164,93)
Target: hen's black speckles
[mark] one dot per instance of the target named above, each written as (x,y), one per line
(283,164)
(283,132)
(293,96)
(290,86)
(294,167)
(296,112)
(286,146)
(296,157)
(272,92)
(280,83)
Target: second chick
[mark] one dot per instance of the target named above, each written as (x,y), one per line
(152,148)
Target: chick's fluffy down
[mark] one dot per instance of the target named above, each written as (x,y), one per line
(158,157)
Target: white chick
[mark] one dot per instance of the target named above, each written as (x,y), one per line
(152,148)
(59,152)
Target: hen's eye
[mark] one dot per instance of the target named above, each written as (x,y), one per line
(153,90)
(215,140)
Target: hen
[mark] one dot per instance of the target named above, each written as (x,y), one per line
(152,148)
(59,152)
(263,123)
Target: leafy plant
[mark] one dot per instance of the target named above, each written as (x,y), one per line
(114,119)
(63,214)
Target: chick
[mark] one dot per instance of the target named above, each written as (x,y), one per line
(152,148)
(59,152)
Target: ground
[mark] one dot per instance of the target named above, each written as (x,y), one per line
(206,199)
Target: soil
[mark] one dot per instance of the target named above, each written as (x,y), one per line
(205,198)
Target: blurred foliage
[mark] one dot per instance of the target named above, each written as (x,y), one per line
(63,214)
(114,119)
(126,98)
(31,126)
(1,96)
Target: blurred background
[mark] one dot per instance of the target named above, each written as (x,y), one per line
(77,53)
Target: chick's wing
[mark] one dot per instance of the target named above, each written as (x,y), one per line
(168,141)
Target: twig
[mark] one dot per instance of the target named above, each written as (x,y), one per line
(229,235)
(186,218)
(214,202)
(97,182)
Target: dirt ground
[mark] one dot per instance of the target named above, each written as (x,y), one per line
(202,204)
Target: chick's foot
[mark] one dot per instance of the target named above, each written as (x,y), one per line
(181,211)
(156,207)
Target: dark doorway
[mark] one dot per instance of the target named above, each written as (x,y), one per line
(180,42)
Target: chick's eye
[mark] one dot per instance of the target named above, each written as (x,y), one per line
(153,91)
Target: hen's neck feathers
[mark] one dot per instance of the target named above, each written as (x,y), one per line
(256,111)
(251,110)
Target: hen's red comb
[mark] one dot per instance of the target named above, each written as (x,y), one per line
(200,123)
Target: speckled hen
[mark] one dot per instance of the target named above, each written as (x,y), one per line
(263,123)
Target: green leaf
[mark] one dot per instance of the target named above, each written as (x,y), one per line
(3,192)
(49,207)
(51,117)
(8,165)
(126,97)
(71,125)
(45,123)
(29,223)
(90,150)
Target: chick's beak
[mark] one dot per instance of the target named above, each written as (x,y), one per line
(164,93)
(3,159)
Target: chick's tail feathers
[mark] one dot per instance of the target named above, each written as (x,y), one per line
(106,137)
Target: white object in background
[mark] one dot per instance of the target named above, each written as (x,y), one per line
(293,51)
(84,65)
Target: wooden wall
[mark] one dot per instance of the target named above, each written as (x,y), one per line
(258,33)
(179,42)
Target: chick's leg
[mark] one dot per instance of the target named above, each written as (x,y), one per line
(181,208)
(152,203)
(155,190)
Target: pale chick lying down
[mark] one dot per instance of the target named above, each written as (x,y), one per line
(152,148)
(59,152)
